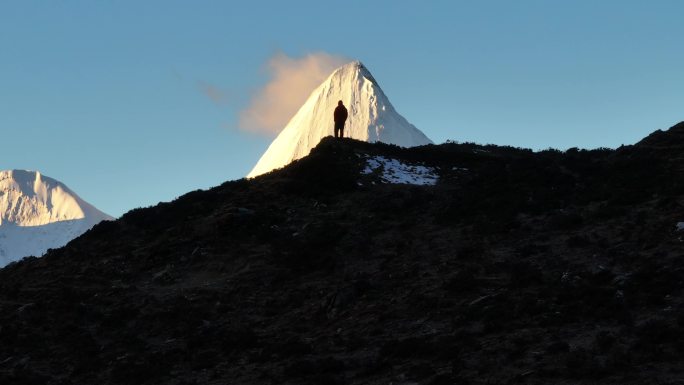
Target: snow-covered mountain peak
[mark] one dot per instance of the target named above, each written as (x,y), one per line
(28,198)
(353,67)
(27,184)
(372,118)
(38,212)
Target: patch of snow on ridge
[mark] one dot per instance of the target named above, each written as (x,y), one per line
(396,172)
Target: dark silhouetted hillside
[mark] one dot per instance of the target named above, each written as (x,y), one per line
(516,267)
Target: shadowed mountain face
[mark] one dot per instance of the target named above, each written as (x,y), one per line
(499,265)
(17,242)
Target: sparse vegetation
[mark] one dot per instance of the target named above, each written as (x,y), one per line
(517,267)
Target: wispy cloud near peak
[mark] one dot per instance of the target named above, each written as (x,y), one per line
(292,81)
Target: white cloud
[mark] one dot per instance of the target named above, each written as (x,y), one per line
(292,81)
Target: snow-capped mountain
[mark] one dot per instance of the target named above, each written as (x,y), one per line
(371,118)
(38,213)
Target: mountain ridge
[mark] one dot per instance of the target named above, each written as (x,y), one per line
(515,266)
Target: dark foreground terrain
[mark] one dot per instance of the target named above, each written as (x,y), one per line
(516,268)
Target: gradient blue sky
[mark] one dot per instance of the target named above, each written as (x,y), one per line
(104,95)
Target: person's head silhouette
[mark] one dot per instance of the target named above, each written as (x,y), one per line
(339,103)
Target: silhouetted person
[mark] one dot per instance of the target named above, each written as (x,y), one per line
(340,117)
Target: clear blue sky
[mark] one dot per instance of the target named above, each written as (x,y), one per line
(104,96)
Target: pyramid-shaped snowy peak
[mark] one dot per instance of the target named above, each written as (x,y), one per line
(372,118)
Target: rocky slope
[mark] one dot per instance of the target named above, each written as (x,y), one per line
(505,266)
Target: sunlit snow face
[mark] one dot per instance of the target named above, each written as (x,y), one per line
(372,118)
(38,213)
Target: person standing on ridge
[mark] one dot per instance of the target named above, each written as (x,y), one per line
(340,116)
